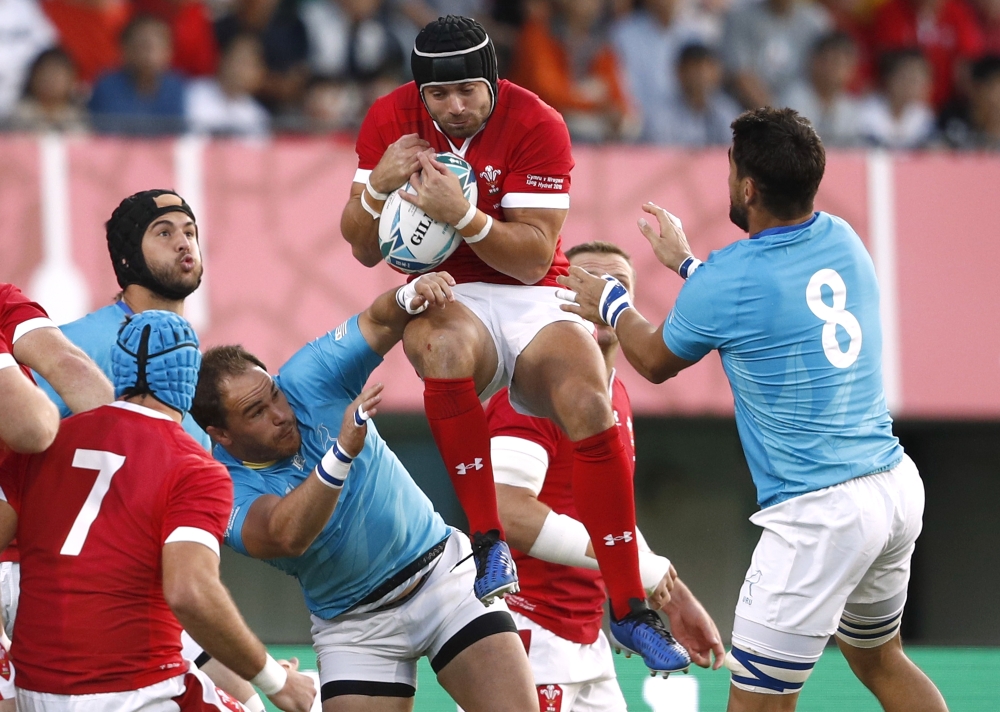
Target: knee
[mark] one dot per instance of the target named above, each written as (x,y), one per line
(583,409)
(439,351)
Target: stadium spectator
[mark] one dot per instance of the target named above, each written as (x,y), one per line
(51,100)
(329,106)
(196,52)
(24,33)
(824,98)
(648,42)
(277,25)
(766,46)
(565,57)
(225,104)
(900,114)
(145,96)
(146,558)
(975,124)
(350,39)
(701,112)
(848,17)
(988,12)
(89,31)
(946,31)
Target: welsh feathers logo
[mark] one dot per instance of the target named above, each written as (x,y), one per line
(490,174)
(550,698)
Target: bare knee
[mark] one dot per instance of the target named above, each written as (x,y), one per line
(582,408)
(872,664)
(439,350)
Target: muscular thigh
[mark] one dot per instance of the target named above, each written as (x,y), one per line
(491,675)
(451,343)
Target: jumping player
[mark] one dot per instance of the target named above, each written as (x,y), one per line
(506,312)
(386,580)
(120,522)
(559,608)
(153,243)
(794,314)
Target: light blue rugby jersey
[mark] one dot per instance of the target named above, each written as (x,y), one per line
(382,521)
(96,334)
(804,363)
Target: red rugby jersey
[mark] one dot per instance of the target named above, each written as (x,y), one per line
(566,600)
(94,512)
(18,316)
(521,157)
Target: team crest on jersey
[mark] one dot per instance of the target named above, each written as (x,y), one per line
(550,698)
(299,462)
(490,175)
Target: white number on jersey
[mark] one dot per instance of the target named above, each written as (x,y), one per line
(106,464)
(834,316)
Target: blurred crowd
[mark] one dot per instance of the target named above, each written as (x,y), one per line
(891,73)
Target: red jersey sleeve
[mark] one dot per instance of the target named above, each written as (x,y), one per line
(371,142)
(11,475)
(200,497)
(18,316)
(504,421)
(540,165)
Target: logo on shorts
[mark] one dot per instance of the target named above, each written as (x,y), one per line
(550,698)
(4,664)
(476,464)
(752,578)
(610,539)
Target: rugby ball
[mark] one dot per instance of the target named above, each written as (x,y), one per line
(409,239)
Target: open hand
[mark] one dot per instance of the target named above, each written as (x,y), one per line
(694,628)
(669,243)
(433,289)
(352,436)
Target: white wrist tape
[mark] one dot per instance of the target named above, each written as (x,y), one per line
(271,679)
(615,301)
(482,233)
(333,469)
(369,209)
(405,296)
(255,704)
(563,540)
(372,192)
(652,569)
(469,216)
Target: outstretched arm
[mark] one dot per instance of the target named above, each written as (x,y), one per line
(382,323)
(70,372)
(286,526)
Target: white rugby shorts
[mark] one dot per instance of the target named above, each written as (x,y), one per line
(570,677)
(191,692)
(10,592)
(513,314)
(375,653)
(7,691)
(848,545)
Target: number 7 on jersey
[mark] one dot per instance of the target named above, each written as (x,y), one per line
(106,464)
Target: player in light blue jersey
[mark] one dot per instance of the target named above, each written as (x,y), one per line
(794,313)
(320,496)
(153,243)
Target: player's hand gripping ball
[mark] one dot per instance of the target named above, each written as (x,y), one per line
(409,239)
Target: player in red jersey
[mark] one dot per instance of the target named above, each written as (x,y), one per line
(120,522)
(506,311)
(559,608)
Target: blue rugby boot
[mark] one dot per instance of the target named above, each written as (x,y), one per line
(496,574)
(642,632)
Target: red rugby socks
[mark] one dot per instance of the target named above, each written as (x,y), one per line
(462,434)
(602,492)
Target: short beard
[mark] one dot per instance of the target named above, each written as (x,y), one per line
(739,216)
(169,286)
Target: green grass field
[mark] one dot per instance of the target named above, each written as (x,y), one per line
(969,678)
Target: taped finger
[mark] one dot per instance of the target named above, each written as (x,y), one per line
(360,416)
(567,295)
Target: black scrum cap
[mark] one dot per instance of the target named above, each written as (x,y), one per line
(454,49)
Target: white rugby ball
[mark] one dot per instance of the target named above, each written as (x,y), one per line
(409,239)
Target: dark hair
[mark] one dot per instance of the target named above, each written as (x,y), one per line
(834,41)
(600,247)
(889,62)
(696,52)
(986,68)
(217,364)
(53,54)
(138,21)
(782,153)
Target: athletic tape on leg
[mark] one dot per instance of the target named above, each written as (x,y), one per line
(864,632)
(758,673)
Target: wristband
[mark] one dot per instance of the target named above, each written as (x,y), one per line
(333,469)
(374,193)
(614,301)
(271,679)
(405,296)
(688,266)
(482,233)
(469,216)
(255,704)
(652,569)
(369,209)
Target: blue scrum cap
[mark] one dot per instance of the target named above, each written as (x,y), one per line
(157,354)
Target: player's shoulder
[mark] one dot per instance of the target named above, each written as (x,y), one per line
(8,293)
(522,106)
(103,322)
(401,104)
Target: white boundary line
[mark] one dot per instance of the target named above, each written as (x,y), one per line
(189,177)
(882,231)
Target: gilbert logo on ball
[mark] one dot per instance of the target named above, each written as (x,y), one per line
(410,241)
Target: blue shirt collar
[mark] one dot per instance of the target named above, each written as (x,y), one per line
(125,307)
(786,228)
